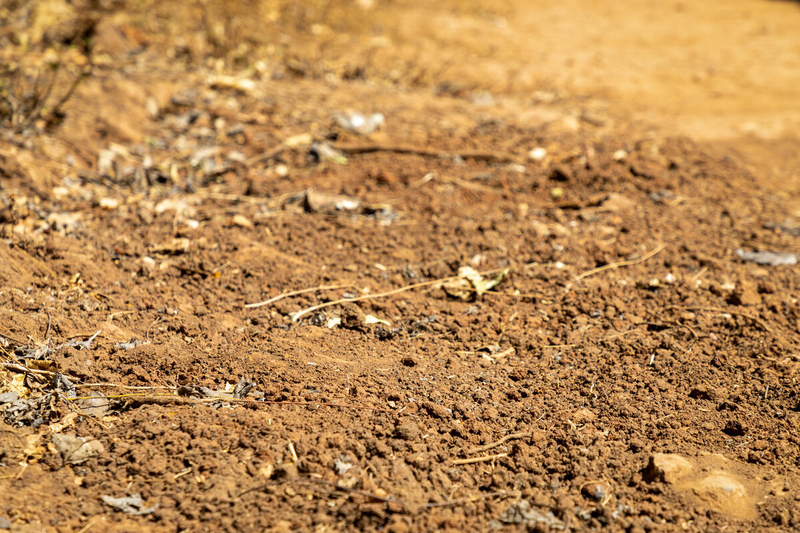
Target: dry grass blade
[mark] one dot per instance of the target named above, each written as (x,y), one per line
(172,399)
(317,307)
(489,157)
(612,266)
(296,293)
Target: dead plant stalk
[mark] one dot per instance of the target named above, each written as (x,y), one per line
(317,307)
(613,266)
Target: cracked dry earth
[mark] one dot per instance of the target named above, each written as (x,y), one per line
(633,370)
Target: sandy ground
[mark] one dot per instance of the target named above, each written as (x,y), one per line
(526,301)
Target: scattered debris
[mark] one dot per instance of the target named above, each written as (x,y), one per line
(133,505)
(384,214)
(789,227)
(241,221)
(243,387)
(537,154)
(358,122)
(132,343)
(767,258)
(662,196)
(75,450)
(63,384)
(31,412)
(242,85)
(342,464)
(81,345)
(372,319)
(203,154)
(174,247)
(534,519)
(321,151)
(35,351)
(94,404)
(318,202)
(8,397)
(492,352)
(471,284)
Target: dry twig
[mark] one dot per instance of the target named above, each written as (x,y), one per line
(171,399)
(481,459)
(296,293)
(317,307)
(495,444)
(621,264)
(489,157)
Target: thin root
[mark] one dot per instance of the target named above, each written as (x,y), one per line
(481,459)
(296,293)
(495,444)
(621,264)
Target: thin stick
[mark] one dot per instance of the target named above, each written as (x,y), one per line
(693,279)
(296,293)
(24,369)
(266,156)
(482,459)
(512,436)
(91,523)
(128,387)
(317,307)
(621,264)
(171,399)
(489,157)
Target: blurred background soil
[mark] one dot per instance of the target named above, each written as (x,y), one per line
(611,165)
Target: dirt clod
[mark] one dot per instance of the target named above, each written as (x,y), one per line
(407,431)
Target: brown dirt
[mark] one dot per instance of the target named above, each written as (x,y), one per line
(668,128)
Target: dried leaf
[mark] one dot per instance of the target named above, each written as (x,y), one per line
(470,283)
(133,504)
(372,319)
(75,450)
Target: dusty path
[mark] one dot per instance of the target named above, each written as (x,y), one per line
(614,163)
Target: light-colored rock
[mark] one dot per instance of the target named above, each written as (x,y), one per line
(75,450)
(667,467)
(719,488)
